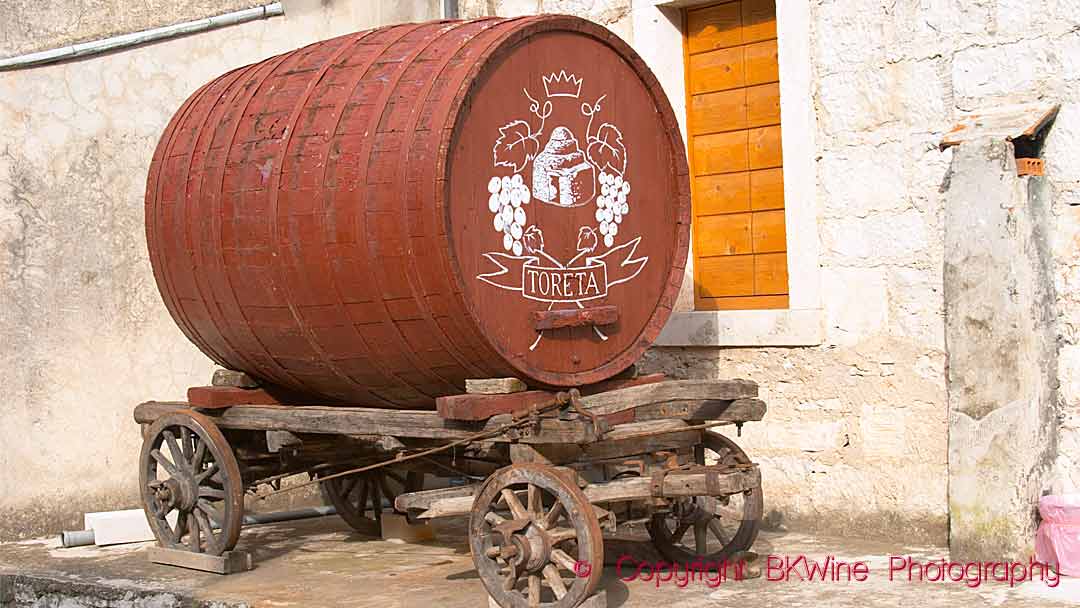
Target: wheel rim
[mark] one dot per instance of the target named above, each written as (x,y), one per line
(191,487)
(358,498)
(710,528)
(523,528)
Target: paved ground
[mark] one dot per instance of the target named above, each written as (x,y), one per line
(320,563)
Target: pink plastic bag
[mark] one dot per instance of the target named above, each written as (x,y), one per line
(1058,538)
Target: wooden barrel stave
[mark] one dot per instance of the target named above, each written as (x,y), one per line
(298,211)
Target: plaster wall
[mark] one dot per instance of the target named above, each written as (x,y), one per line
(84,336)
(37,25)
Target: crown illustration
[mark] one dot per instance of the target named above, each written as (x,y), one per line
(562,85)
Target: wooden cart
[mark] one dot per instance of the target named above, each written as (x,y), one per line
(551,471)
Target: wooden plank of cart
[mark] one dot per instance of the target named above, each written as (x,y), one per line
(552,471)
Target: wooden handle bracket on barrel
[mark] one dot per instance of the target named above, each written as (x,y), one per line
(582,317)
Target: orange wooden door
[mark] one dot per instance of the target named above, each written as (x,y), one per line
(733,108)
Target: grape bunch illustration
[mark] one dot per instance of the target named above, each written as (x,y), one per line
(507,200)
(611,205)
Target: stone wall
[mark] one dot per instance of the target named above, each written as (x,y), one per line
(84,336)
(856,436)
(889,79)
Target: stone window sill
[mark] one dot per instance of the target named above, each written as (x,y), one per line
(804,327)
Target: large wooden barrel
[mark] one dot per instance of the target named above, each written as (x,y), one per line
(377,217)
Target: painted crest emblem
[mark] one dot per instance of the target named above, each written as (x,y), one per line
(566,170)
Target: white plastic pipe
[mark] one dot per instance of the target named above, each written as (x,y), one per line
(81,538)
(84,49)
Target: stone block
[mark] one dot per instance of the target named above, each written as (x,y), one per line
(813,437)
(1062,163)
(922,91)
(912,92)
(916,305)
(1068,53)
(1069,374)
(879,238)
(852,34)
(855,302)
(853,101)
(1012,72)
(858,180)
(233,378)
(883,430)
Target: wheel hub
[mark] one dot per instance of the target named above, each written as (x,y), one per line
(539,548)
(175,493)
(523,544)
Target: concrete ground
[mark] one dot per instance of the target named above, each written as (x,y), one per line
(322,563)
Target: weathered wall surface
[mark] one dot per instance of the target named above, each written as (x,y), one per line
(999,327)
(615,14)
(889,79)
(856,436)
(1005,52)
(27,26)
(83,334)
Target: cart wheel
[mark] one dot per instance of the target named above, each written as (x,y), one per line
(358,498)
(535,539)
(722,525)
(190,483)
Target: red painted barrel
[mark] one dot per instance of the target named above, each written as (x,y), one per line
(377,217)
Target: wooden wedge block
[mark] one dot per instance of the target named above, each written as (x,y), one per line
(228,396)
(229,562)
(233,378)
(494,386)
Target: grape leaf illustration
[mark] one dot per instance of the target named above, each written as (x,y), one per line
(606,149)
(533,240)
(586,239)
(516,145)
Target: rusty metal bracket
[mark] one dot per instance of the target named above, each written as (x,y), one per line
(575,403)
(656,485)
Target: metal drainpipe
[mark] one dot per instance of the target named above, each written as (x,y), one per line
(85,49)
(450,9)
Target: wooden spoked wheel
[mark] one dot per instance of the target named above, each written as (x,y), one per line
(535,539)
(190,484)
(359,498)
(721,525)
